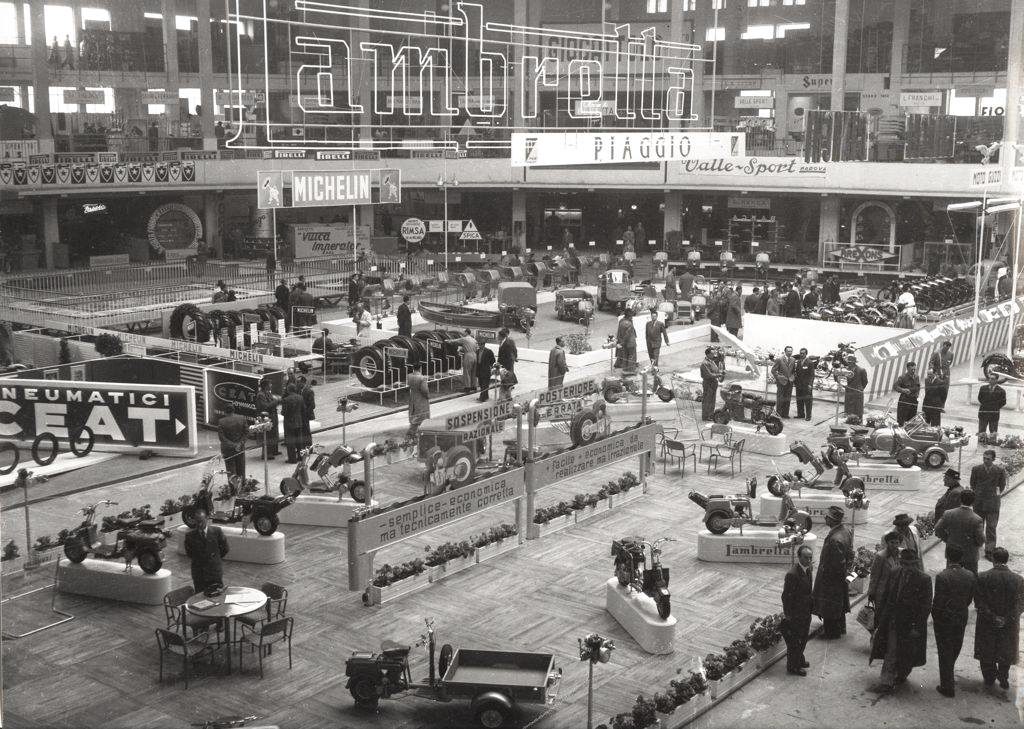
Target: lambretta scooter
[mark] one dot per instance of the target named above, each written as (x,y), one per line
(260,511)
(632,571)
(319,461)
(614,389)
(721,512)
(136,539)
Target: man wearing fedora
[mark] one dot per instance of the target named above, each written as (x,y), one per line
(901,631)
(831,596)
(950,499)
(910,537)
(963,529)
(954,591)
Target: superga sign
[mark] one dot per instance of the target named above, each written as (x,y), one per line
(411,69)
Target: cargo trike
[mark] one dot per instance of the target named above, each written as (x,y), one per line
(494,682)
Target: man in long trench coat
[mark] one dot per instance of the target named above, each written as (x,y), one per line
(831,595)
(293,417)
(999,599)
(901,631)
(853,393)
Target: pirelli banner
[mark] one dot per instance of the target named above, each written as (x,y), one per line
(416,517)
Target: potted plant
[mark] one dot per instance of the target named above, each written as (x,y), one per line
(925,524)
(860,570)
(171,510)
(109,345)
(551,518)
(765,637)
(391,581)
(715,670)
(624,489)
(449,558)
(585,506)
(690,695)
(496,540)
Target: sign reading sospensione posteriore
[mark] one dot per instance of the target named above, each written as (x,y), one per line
(394,525)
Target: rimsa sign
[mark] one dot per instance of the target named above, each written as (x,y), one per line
(410,70)
(160,418)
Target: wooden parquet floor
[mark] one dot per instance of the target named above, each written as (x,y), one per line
(100,670)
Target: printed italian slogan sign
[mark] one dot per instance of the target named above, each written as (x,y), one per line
(160,418)
(602,453)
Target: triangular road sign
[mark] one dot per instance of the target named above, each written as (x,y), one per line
(469,227)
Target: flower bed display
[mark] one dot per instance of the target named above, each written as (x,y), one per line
(551,519)
(390,581)
(496,540)
(449,558)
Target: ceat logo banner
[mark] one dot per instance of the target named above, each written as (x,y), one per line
(160,418)
(570,149)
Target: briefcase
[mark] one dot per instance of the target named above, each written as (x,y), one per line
(866,617)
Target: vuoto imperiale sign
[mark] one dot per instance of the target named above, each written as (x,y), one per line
(431,70)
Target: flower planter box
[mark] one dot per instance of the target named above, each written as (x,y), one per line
(625,497)
(439,572)
(495,548)
(536,531)
(685,713)
(589,511)
(380,595)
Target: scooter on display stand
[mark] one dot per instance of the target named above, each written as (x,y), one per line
(632,571)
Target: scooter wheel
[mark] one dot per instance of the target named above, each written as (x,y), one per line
(664,604)
(718,522)
(665,394)
(623,573)
(773,425)
(907,457)
(444,659)
(75,550)
(364,692)
(612,393)
(290,486)
(265,524)
(150,561)
(721,417)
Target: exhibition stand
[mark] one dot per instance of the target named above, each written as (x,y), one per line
(887,476)
(755,545)
(108,580)
(324,510)
(249,546)
(758,441)
(815,504)
(638,614)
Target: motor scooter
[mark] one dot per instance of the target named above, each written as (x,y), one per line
(632,571)
(317,459)
(614,389)
(136,539)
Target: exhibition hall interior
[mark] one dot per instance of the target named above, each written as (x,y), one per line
(429,364)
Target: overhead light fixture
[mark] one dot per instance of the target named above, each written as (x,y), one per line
(963,206)
(1001,200)
(1003,208)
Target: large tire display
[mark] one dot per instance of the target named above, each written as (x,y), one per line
(368,365)
(189,322)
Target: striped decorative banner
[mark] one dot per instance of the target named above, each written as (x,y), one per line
(887,360)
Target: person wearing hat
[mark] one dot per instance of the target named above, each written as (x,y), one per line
(962,528)
(999,600)
(797,604)
(954,592)
(710,376)
(856,384)
(654,333)
(936,389)
(988,480)
(991,399)
(908,385)
(950,499)
(900,639)
(831,596)
(910,537)
(886,562)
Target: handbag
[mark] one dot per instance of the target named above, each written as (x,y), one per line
(866,617)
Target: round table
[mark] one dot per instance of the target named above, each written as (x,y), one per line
(249,600)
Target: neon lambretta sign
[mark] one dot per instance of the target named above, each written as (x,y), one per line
(426,70)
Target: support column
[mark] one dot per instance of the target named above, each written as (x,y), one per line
(19,18)
(828,223)
(900,39)
(519,220)
(842,23)
(211,223)
(673,211)
(51,226)
(1009,154)
(41,79)
(169,10)
(206,75)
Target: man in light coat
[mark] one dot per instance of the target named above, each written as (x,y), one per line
(556,364)
(963,529)
(784,370)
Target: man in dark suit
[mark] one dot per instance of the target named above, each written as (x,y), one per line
(783,371)
(710,375)
(988,481)
(232,430)
(405,317)
(484,368)
(831,593)
(293,416)
(508,353)
(950,499)
(901,633)
(205,546)
(792,308)
(556,364)
(963,529)
(999,599)
(803,382)
(954,592)
(281,295)
(797,604)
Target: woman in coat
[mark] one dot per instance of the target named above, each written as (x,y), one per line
(293,415)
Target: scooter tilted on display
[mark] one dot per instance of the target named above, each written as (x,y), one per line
(724,512)
(136,539)
(614,389)
(317,459)
(632,571)
(260,511)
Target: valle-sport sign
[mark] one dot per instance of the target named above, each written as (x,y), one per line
(123,418)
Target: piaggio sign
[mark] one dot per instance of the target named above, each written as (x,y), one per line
(160,418)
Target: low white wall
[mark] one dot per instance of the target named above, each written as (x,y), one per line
(776,332)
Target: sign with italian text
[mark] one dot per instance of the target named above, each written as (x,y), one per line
(921,98)
(576,461)
(546,149)
(122,417)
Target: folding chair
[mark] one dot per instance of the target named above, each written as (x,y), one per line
(732,451)
(673,449)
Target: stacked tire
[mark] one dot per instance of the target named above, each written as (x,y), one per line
(368,362)
(190,322)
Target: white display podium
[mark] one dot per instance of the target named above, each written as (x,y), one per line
(320,510)
(887,476)
(815,504)
(250,547)
(638,614)
(108,580)
(756,545)
(759,442)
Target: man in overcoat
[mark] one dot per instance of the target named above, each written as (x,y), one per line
(797,604)
(831,596)
(963,529)
(783,370)
(556,364)
(954,591)
(710,376)
(293,416)
(887,561)
(950,499)
(901,629)
(484,367)
(999,600)
(205,546)
(988,481)
(853,394)
(267,402)
(803,381)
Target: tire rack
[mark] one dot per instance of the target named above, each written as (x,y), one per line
(394,384)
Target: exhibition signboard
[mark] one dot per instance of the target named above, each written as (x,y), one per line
(222,387)
(576,461)
(122,417)
(585,148)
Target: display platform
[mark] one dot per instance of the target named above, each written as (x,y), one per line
(759,442)
(637,613)
(815,504)
(887,476)
(321,510)
(64,463)
(757,545)
(108,580)
(250,547)
(630,410)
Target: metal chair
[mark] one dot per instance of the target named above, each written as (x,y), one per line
(277,604)
(707,437)
(732,451)
(188,648)
(178,618)
(263,639)
(673,449)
